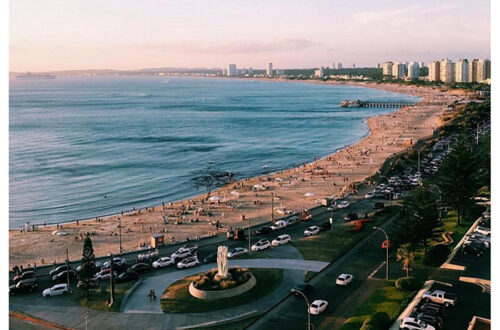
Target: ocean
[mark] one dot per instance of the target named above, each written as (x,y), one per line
(82,147)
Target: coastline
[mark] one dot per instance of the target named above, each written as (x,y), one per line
(323,177)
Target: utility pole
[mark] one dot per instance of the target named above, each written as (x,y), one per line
(111,283)
(249,239)
(272,207)
(67,269)
(120,227)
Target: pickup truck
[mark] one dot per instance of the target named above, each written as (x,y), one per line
(440,297)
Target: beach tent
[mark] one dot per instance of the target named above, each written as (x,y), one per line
(235,193)
(309,194)
(214,198)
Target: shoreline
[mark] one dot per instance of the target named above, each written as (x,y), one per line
(322,176)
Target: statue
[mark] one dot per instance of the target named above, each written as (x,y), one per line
(222,265)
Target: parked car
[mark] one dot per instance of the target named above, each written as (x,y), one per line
(325,225)
(261,245)
(118,262)
(237,234)
(97,265)
(191,247)
(27,285)
(435,321)
(343,204)
(378,206)
(318,306)
(306,215)
(139,268)
(350,217)
(483,230)
(440,297)
(163,262)
(238,251)
(411,323)
(344,279)
(93,283)
(472,249)
(188,262)
(62,277)
(24,276)
(210,258)
(127,276)
(59,269)
(262,231)
(281,239)
(56,290)
(181,253)
(370,195)
(280,224)
(104,274)
(313,230)
(293,220)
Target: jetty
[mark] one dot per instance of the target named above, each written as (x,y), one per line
(385,104)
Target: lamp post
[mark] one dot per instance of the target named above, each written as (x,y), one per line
(386,252)
(308,308)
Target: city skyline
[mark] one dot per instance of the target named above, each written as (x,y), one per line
(71,36)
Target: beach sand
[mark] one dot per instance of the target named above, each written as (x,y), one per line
(328,176)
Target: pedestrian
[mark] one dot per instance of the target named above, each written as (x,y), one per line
(21,269)
(34,266)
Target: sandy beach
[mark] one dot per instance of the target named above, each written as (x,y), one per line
(323,177)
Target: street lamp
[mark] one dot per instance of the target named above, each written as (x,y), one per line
(308,307)
(386,252)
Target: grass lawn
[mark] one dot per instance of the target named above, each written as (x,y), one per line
(328,247)
(99,302)
(180,300)
(385,299)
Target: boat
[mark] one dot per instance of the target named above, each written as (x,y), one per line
(29,75)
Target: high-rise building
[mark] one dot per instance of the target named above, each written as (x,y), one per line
(378,65)
(269,71)
(319,73)
(339,66)
(387,69)
(483,70)
(231,70)
(447,71)
(434,71)
(473,70)
(398,70)
(333,65)
(354,65)
(421,64)
(413,70)
(462,71)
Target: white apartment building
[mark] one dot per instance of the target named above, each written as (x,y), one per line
(447,71)
(473,70)
(434,71)
(319,73)
(269,71)
(231,70)
(483,70)
(339,66)
(387,69)
(398,70)
(413,70)
(462,71)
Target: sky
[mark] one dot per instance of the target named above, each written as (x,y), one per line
(54,35)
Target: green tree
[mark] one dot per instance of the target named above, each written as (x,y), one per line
(457,176)
(88,266)
(406,254)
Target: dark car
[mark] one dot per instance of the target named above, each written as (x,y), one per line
(59,269)
(191,247)
(471,249)
(432,309)
(93,283)
(126,277)
(435,321)
(27,285)
(139,268)
(378,206)
(351,217)
(24,276)
(305,288)
(62,277)
(326,225)
(262,231)
(210,258)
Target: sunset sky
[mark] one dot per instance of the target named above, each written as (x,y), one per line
(130,34)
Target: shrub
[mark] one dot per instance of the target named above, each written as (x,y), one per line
(436,255)
(407,283)
(377,321)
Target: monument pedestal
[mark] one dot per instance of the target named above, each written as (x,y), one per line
(219,277)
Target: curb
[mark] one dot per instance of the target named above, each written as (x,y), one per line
(35,320)
(128,294)
(220,322)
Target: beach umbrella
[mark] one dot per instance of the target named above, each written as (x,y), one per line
(235,193)
(258,186)
(309,194)
(214,198)
(279,179)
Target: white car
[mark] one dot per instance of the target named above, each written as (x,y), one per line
(236,252)
(117,261)
(280,224)
(411,323)
(56,290)
(344,279)
(343,205)
(318,306)
(292,220)
(370,195)
(181,253)
(261,245)
(188,262)
(482,230)
(163,262)
(281,239)
(104,274)
(313,230)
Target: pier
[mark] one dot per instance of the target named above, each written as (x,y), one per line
(385,104)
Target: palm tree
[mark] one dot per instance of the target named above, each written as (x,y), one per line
(406,255)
